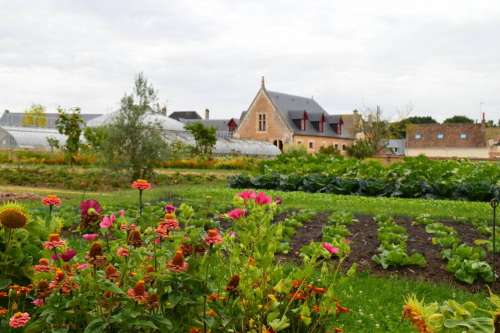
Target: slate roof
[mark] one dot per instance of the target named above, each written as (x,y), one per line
(292,109)
(15,119)
(184,115)
(218,124)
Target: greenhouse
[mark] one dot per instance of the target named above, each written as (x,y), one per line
(174,131)
(28,137)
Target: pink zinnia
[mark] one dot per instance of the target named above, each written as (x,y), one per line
(263,199)
(19,319)
(53,242)
(122,252)
(38,302)
(247,195)
(121,213)
(89,237)
(43,265)
(107,221)
(330,248)
(236,213)
(213,237)
(82,267)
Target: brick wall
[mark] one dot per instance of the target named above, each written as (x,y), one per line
(451,136)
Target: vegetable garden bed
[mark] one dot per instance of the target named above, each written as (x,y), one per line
(364,244)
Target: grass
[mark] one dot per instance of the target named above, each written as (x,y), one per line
(354,204)
(221,195)
(376,303)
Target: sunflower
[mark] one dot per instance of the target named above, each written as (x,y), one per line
(13,215)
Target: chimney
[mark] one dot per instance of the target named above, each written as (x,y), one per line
(483,119)
(207,114)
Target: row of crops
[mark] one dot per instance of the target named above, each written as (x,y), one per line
(417,177)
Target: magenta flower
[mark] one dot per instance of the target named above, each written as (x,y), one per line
(236,213)
(247,195)
(68,254)
(170,209)
(89,237)
(90,207)
(330,248)
(262,199)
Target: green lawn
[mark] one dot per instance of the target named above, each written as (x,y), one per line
(375,302)
(221,195)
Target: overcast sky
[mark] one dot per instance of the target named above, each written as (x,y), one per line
(441,56)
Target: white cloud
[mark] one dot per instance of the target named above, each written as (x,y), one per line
(440,55)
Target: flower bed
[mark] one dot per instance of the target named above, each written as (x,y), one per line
(161,269)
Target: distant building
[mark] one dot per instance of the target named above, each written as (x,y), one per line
(451,140)
(285,119)
(395,147)
(15,119)
(184,115)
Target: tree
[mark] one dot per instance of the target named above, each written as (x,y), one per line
(70,124)
(361,149)
(375,129)
(458,120)
(205,138)
(35,116)
(53,143)
(134,142)
(95,137)
(397,130)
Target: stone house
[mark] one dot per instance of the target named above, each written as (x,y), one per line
(285,119)
(450,140)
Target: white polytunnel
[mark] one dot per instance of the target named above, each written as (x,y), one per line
(174,131)
(28,137)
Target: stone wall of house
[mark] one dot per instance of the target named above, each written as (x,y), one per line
(275,126)
(314,143)
(480,152)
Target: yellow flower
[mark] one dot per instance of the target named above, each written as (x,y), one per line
(13,216)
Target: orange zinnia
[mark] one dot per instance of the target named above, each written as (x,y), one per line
(177,264)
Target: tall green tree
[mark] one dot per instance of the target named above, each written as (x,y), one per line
(35,116)
(134,142)
(397,130)
(458,120)
(70,124)
(205,138)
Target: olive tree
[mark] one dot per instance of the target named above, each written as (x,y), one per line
(133,141)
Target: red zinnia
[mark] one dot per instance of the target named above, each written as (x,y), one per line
(177,264)
(213,237)
(138,293)
(51,200)
(141,184)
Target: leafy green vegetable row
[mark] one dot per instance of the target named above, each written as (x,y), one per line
(412,178)
(465,262)
(290,226)
(392,249)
